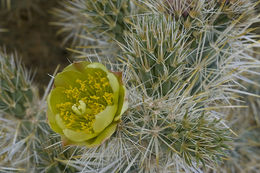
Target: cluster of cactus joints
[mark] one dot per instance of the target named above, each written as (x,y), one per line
(143,130)
(96,24)
(17,104)
(156,131)
(15,87)
(25,136)
(156,49)
(25,146)
(53,156)
(194,10)
(160,50)
(198,139)
(205,64)
(215,17)
(108,17)
(210,27)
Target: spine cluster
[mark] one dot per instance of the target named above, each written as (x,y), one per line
(188,67)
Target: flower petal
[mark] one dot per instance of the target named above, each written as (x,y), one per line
(77,66)
(114,84)
(78,136)
(104,118)
(104,135)
(122,103)
(105,122)
(51,121)
(66,141)
(68,78)
(55,97)
(59,121)
(98,65)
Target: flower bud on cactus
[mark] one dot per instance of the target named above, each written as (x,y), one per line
(86,104)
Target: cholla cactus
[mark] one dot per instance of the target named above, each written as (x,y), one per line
(202,35)
(95,24)
(16,104)
(72,20)
(15,87)
(246,154)
(24,132)
(181,62)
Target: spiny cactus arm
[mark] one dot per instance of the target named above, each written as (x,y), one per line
(25,134)
(18,101)
(217,77)
(104,17)
(72,21)
(15,86)
(95,25)
(177,88)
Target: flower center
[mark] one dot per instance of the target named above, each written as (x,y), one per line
(81,109)
(85,99)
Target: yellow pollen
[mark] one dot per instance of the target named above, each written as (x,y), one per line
(84,100)
(108,97)
(82,84)
(94,97)
(72,93)
(97,85)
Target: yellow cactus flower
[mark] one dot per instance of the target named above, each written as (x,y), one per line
(86,104)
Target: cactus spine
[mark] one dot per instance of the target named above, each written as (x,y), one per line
(94,25)
(15,87)
(183,64)
(24,132)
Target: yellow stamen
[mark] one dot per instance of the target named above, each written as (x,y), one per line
(84,100)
